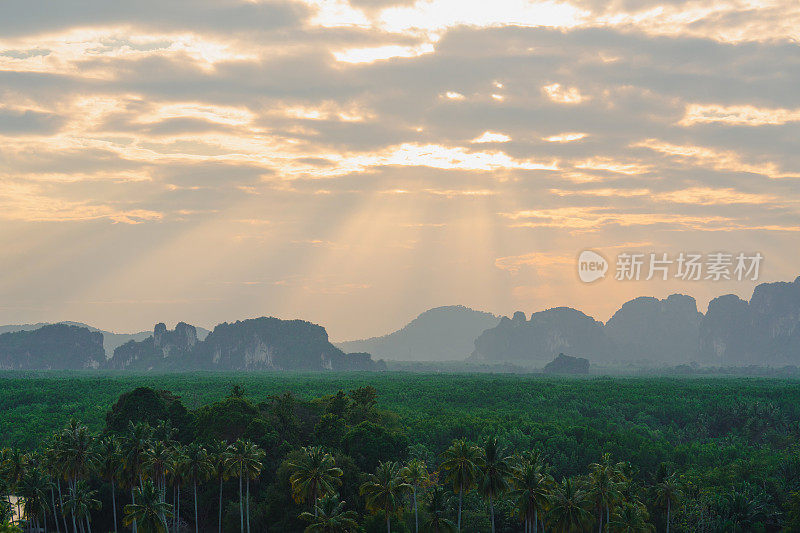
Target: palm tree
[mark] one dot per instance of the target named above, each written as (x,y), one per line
(530,491)
(245,459)
(176,469)
(493,473)
(134,447)
(384,490)
(107,466)
(156,460)
(314,474)
(436,509)
(668,493)
(568,512)
(218,456)
(197,468)
(330,517)
(459,460)
(77,456)
(630,518)
(81,503)
(604,481)
(14,464)
(150,513)
(35,488)
(416,475)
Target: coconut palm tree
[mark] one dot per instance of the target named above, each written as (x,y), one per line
(668,493)
(176,471)
(330,517)
(108,466)
(314,474)
(245,459)
(437,512)
(384,490)
(134,447)
(197,468)
(218,456)
(459,461)
(493,473)
(568,511)
(416,475)
(81,503)
(156,462)
(76,456)
(35,489)
(605,480)
(630,518)
(14,464)
(530,492)
(148,511)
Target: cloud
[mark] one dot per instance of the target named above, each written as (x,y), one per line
(491,137)
(563,95)
(742,115)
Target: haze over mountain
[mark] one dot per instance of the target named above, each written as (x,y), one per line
(440,334)
(111,340)
(254,344)
(764,331)
(52,347)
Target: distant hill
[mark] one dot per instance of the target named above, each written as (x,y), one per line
(255,344)
(764,331)
(439,334)
(111,340)
(543,337)
(665,331)
(52,347)
(564,364)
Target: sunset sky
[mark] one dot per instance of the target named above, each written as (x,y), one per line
(354,164)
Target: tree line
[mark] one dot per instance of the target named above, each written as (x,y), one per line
(334,464)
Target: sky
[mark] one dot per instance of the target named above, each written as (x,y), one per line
(354,164)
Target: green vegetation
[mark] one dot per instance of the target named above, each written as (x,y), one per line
(401,452)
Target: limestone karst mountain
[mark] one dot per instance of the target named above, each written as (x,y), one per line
(52,347)
(255,344)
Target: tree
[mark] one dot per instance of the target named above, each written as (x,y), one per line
(330,517)
(245,459)
(134,447)
(530,492)
(493,473)
(108,466)
(437,512)
(568,512)
(35,490)
(459,461)
(630,518)
(604,483)
(668,493)
(148,512)
(416,475)
(197,468)
(314,474)
(218,456)
(81,503)
(384,490)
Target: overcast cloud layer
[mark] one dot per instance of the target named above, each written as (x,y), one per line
(354,164)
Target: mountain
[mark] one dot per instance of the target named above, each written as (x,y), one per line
(564,364)
(255,344)
(52,347)
(543,337)
(111,340)
(440,334)
(765,330)
(664,331)
(163,349)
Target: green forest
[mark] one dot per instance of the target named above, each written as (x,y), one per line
(397,452)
